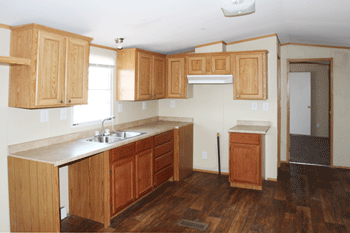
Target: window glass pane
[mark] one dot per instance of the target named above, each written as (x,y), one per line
(99,78)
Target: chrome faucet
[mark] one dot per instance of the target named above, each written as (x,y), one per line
(103,121)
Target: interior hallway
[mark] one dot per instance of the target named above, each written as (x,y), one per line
(305,199)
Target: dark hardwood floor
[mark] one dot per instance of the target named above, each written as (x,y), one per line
(310,149)
(305,199)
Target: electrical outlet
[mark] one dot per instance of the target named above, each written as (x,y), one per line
(172,103)
(63,113)
(143,105)
(120,107)
(204,155)
(318,125)
(266,106)
(255,106)
(44,115)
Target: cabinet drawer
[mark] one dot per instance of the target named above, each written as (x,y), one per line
(144,144)
(163,138)
(163,149)
(163,175)
(122,152)
(245,138)
(163,161)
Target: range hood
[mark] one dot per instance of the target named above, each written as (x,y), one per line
(210,79)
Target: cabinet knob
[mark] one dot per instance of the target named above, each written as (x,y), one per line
(151,96)
(154,95)
(61,101)
(237,95)
(69,101)
(203,71)
(182,95)
(213,71)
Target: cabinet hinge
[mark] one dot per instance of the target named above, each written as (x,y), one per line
(111,171)
(111,207)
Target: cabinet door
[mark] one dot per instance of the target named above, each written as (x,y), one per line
(159,77)
(77,72)
(51,70)
(122,183)
(220,64)
(144,76)
(250,76)
(245,163)
(144,172)
(176,79)
(197,65)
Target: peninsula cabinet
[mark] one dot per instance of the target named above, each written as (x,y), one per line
(245,160)
(176,77)
(209,63)
(58,72)
(140,75)
(250,75)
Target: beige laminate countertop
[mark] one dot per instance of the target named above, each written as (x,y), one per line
(255,127)
(63,153)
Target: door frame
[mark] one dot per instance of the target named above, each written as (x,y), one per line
(331,106)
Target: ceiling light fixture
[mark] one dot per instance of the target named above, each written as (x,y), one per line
(119,41)
(240,7)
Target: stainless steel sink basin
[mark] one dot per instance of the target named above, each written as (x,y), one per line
(113,137)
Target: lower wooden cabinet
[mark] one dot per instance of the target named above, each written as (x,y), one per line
(245,160)
(144,172)
(122,183)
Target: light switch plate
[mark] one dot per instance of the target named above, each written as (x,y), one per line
(63,114)
(172,103)
(266,106)
(144,105)
(120,107)
(44,115)
(255,106)
(204,155)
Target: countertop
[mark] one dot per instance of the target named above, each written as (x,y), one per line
(255,127)
(63,153)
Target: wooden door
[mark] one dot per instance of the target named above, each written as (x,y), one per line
(51,70)
(197,65)
(144,172)
(77,71)
(176,79)
(144,76)
(122,183)
(221,64)
(245,163)
(250,76)
(158,90)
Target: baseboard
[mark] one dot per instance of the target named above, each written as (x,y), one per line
(340,167)
(271,179)
(212,172)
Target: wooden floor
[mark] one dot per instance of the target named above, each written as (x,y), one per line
(305,199)
(310,149)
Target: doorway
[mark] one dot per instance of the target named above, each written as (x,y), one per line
(309,123)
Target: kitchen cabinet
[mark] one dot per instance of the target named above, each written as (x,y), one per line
(176,77)
(164,157)
(250,75)
(140,75)
(245,160)
(209,63)
(58,73)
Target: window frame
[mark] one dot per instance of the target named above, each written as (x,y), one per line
(95,122)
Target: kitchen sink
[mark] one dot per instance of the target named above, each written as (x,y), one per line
(113,137)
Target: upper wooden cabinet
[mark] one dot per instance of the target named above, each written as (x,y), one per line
(176,77)
(250,75)
(140,75)
(58,74)
(209,63)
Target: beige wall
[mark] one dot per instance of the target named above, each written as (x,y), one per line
(319,96)
(341,96)
(215,111)
(4,83)
(20,125)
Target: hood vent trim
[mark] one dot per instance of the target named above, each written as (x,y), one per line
(210,79)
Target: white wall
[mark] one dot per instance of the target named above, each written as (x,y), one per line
(4,83)
(341,96)
(215,111)
(21,125)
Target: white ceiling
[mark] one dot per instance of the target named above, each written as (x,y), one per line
(168,26)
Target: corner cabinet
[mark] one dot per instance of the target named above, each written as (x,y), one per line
(250,75)
(58,72)
(140,75)
(245,160)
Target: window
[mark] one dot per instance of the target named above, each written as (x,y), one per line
(99,97)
